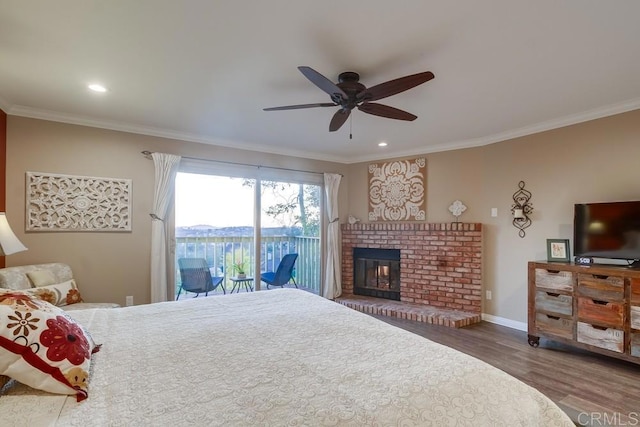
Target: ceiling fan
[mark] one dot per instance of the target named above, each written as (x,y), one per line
(349,93)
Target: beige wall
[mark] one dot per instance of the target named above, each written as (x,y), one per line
(107,266)
(588,162)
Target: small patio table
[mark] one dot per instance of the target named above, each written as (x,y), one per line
(242,281)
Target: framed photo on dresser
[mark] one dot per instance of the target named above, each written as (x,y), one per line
(558,250)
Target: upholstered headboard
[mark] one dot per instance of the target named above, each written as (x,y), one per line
(16,277)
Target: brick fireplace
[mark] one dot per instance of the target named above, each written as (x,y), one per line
(376,272)
(440,264)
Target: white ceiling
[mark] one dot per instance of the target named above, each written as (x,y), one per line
(202,70)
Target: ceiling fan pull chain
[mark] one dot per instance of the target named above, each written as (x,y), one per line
(350,126)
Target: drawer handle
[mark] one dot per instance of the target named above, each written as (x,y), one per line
(600,328)
(600,276)
(599,302)
(553,271)
(553,317)
(553,294)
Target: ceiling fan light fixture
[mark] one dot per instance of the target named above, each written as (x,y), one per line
(349,94)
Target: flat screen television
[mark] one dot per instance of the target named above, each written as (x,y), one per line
(607,230)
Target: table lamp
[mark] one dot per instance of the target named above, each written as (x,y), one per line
(9,243)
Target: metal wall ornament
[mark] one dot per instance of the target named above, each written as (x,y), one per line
(56,202)
(521,209)
(457,208)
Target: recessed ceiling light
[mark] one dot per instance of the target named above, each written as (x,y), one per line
(97,88)
(382,144)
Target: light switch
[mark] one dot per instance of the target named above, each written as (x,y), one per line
(494,212)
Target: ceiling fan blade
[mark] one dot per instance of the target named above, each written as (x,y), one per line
(338,119)
(393,87)
(386,111)
(297,107)
(322,82)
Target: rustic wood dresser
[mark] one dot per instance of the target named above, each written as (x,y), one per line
(594,307)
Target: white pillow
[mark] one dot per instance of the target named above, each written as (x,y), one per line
(41,278)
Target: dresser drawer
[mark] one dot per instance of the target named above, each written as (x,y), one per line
(635,317)
(607,338)
(634,285)
(601,312)
(554,303)
(601,287)
(635,344)
(553,279)
(555,325)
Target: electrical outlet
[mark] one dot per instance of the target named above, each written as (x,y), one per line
(129,300)
(488,295)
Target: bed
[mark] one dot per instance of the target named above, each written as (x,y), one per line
(274,358)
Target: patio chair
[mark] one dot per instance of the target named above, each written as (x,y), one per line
(196,277)
(283,274)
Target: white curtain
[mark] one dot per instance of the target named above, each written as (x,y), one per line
(166,168)
(332,281)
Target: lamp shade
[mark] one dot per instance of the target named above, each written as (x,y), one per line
(9,243)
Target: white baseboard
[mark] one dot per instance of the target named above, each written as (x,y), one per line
(513,324)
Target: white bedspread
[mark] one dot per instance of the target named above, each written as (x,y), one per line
(275,358)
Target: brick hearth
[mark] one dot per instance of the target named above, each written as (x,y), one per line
(440,270)
(404,310)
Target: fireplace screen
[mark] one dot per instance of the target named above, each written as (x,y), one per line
(377,272)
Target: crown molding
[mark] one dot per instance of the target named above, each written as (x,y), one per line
(585,116)
(5,105)
(569,120)
(55,116)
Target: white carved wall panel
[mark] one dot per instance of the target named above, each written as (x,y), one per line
(77,203)
(397,190)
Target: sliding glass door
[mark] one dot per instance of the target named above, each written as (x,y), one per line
(290,219)
(243,226)
(214,217)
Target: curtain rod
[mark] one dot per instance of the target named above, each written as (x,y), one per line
(148,153)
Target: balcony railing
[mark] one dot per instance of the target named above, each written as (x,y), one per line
(222,253)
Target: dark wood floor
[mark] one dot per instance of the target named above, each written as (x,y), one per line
(593,389)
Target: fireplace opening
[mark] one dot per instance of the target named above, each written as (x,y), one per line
(376,272)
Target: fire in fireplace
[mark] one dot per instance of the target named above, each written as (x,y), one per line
(376,272)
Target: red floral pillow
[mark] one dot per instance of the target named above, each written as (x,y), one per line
(60,294)
(42,347)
